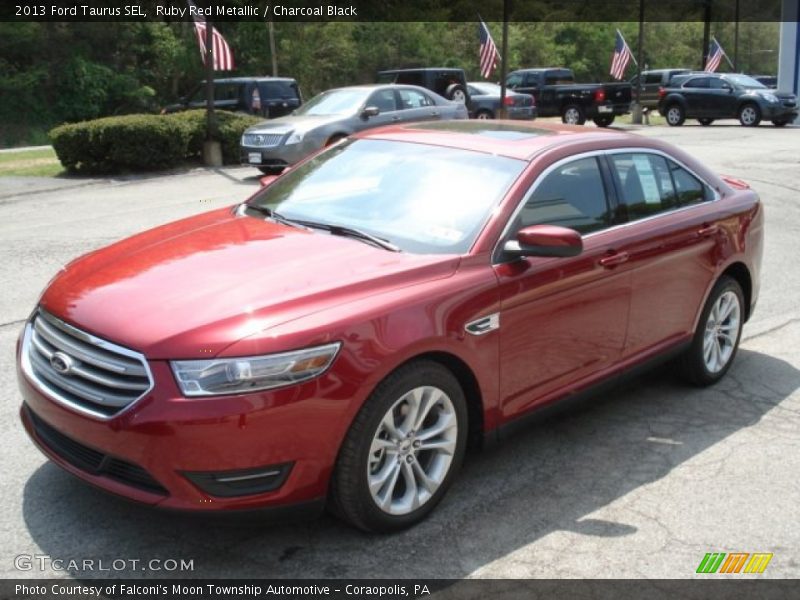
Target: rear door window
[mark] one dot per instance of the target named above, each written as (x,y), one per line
(697,82)
(413,99)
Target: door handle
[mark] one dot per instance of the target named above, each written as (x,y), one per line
(612,260)
(707,230)
(395,118)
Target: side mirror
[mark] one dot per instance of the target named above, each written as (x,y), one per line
(267,180)
(370,111)
(545,240)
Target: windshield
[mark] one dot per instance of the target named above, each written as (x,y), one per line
(423,199)
(336,102)
(746,82)
(486,88)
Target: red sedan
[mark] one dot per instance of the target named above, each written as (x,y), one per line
(341,337)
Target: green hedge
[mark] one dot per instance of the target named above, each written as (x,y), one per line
(144,142)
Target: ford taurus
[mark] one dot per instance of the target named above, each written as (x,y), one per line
(341,337)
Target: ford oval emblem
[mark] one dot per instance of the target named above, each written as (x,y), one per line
(61,363)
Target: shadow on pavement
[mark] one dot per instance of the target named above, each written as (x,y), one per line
(547,478)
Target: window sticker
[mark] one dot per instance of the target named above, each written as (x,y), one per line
(647,178)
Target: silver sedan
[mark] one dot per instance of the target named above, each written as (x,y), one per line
(273,145)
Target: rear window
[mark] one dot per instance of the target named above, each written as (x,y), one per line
(278,89)
(227,91)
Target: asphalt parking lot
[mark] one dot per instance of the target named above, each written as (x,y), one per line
(641,482)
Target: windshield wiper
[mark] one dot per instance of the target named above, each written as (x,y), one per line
(352,232)
(271,214)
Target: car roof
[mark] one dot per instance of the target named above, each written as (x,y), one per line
(377,86)
(246,79)
(514,139)
(420,69)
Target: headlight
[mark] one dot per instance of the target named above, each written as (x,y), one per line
(295,138)
(771,98)
(221,376)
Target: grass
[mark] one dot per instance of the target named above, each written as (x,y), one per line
(30,163)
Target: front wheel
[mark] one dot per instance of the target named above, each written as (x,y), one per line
(484,114)
(716,338)
(572,114)
(749,115)
(604,121)
(403,449)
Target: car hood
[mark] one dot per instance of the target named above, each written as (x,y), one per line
(190,288)
(300,124)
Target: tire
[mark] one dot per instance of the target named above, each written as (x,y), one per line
(604,121)
(572,114)
(271,170)
(779,123)
(369,450)
(705,122)
(701,365)
(749,115)
(335,138)
(675,115)
(484,114)
(456,93)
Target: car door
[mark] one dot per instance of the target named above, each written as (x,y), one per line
(385,100)
(695,91)
(415,105)
(721,99)
(671,242)
(562,320)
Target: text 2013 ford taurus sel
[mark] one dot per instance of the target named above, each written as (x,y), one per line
(341,337)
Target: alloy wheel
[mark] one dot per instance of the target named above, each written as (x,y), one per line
(674,115)
(412,450)
(748,115)
(571,116)
(722,332)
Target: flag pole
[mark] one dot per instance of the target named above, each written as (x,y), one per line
(723,53)
(212,151)
(626,43)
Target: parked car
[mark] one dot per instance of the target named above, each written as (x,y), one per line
(333,115)
(269,97)
(340,337)
(447,82)
(485,102)
(652,81)
(710,96)
(557,94)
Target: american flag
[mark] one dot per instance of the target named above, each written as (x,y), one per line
(488,51)
(223,57)
(715,54)
(621,57)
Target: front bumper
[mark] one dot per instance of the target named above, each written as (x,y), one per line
(779,112)
(148,452)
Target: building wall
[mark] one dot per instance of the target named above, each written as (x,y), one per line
(789,53)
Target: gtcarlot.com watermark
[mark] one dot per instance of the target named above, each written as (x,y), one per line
(45,562)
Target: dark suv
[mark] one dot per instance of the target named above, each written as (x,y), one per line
(710,96)
(263,96)
(448,83)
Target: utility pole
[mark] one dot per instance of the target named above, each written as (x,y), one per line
(706,32)
(271,28)
(503,64)
(637,112)
(736,39)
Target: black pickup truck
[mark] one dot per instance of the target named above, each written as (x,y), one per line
(557,94)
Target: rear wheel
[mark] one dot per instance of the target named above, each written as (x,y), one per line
(572,114)
(484,114)
(675,115)
(705,122)
(749,115)
(604,121)
(403,449)
(716,338)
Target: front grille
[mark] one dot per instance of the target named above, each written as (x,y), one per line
(262,140)
(80,370)
(91,461)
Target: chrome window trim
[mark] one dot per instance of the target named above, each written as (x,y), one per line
(596,154)
(43,388)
